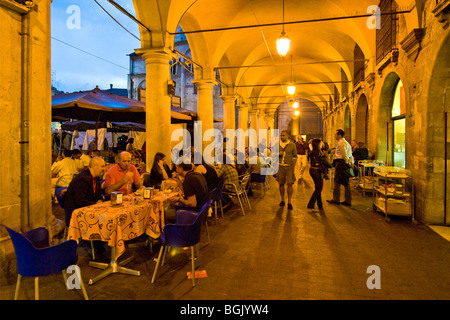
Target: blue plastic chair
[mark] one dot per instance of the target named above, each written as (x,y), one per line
(35,258)
(186,232)
(217,196)
(261,180)
(60,194)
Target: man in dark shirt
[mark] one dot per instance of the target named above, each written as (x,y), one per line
(85,189)
(195,191)
(195,187)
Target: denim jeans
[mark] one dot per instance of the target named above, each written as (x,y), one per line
(318,186)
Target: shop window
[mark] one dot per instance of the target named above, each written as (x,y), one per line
(399,126)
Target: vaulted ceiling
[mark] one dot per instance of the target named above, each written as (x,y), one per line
(238,37)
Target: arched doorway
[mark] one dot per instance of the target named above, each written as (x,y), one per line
(398,135)
(391,122)
(361,120)
(348,123)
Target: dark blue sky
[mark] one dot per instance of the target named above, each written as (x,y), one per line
(84,25)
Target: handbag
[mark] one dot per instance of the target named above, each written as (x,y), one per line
(350,172)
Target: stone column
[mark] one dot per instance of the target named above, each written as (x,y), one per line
(295,128)
(229,119)
(270,122)
(261,121)
(243,120)
(205,107)
(157,102)
(253,138)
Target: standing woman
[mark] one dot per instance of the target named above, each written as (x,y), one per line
(318,163)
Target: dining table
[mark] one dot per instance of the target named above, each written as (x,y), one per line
(116,224)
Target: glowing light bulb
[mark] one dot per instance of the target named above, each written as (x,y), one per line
(283,44)
(291,90)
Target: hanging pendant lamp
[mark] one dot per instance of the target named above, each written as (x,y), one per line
(283,42)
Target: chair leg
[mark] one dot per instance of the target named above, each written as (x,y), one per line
(207,232)
(83,289)
(240,202)
(92,250)
(65,278)
(19,280)
(193,266)
(36,288)
(157,263)
(166,248)
(246,199)
(221,207)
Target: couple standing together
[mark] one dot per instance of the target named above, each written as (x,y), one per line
(318,166)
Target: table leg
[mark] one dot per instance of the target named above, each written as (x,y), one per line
(113,267)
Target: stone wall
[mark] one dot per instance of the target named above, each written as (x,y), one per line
(423,69)
(26,85)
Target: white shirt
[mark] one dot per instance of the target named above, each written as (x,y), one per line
(64,169)
(343,151)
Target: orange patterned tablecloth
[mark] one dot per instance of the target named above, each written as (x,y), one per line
(119,223)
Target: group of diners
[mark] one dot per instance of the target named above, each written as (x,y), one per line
(196,180)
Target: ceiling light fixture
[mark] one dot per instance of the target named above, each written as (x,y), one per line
(283,42)
(291,87)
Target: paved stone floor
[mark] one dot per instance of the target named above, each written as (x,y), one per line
(275,254)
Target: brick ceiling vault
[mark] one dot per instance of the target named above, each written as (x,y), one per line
(238,37)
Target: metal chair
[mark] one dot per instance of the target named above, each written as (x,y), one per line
(239,191)
(35,258)
(186,232)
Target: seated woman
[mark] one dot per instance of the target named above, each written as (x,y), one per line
(210,174)
(160,171)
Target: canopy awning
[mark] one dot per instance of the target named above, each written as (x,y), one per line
(97,105)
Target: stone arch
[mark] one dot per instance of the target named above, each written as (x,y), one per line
(361,119)
(438,107)
(384,117)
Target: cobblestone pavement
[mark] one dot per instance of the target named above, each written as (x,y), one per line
(275,254)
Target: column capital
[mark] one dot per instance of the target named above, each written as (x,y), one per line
(253,111)
(204,83)
(228,99)
(162,54)
(243,105)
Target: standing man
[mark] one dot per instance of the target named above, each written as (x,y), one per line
(122,175)
(302,148)
(287,160)
(84,190)
(343,159)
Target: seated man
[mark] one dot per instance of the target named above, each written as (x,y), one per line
(81,159)
(230,175)
(195,191)
(122,175)
(63,170)
(84,190)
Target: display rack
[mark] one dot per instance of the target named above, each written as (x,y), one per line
(366,176)
(393,192)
